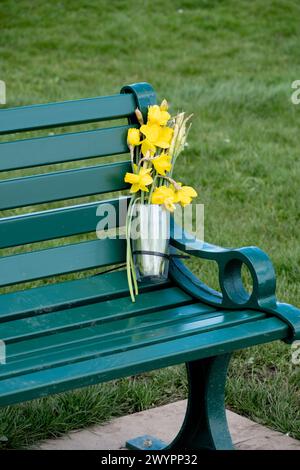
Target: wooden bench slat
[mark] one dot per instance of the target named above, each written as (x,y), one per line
(87,315)
(139,323)
(20,192)
(61,260)
(41,116)
(141,327)
(136,332)
(56,223)
(138,360)
(63,148)
(68,294)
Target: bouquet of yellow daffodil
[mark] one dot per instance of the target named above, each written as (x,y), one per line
(154,148)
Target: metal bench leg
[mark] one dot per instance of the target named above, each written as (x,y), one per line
(205,424)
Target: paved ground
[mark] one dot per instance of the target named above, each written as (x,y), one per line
(164,422)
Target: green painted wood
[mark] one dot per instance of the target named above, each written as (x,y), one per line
(291,316)
(66,113)
(233,295)
(144,96)
(19,192)
(230,262)
(106,311)
(182,276)
(133,333)
(68,294)
(62,222)
(141,325)
(61,260)
(138,360)
(63,148)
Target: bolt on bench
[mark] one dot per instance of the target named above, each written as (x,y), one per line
(76,333)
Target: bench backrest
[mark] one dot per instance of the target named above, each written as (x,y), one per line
(74,219)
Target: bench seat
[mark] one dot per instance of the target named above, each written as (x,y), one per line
(59,337)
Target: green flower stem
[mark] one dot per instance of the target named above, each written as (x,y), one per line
(131,148)
(128,250)
(145,165)
(153,186)
(130,268)
(133,271)
(136,289)
(170,181)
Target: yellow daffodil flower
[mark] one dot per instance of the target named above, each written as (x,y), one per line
(164,195)
(139,181)
(159,114)
(133,137)
(155,136)
(162,164)
(184,194)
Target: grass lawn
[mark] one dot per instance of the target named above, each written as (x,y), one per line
(231,63)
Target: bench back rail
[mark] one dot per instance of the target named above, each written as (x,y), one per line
(64,185)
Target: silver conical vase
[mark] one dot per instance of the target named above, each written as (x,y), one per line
(150,234)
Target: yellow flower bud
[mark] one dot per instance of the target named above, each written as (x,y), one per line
(164,105)
(139,116)
(133,137)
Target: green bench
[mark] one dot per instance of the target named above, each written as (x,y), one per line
(75,333)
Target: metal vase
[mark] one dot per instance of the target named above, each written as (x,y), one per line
(150,234)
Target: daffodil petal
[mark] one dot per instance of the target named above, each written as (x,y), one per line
(135,188)
(162,164)
(164,138)
(148,147)
(131,178)
(164,118)
(190,191)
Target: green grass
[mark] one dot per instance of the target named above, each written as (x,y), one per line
(231,63)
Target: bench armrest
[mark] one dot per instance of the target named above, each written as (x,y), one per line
(233,294)
(230,261)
